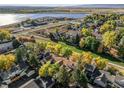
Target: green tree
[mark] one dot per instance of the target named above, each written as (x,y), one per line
(121,47)
(20,54)
(121,43)
(49,69)
(66,52)
(62,77)
(80,78)
(16,43)
(33,60)
(53,69)
(91,43)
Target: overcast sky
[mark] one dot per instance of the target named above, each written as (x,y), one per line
(62,2)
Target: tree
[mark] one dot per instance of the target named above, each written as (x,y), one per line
(101,63)
(49,69)
(33,61)
(77,39)
(4,34)
(121,51)
(86,32)
(50,47)
(109,39)
(87,57)
(75,57)
(20,54)
(88,41)
(41,46)
(112,70)
(121,43)
(91,43)
(112,23)
(66,52)
(80,78)
(122,18)
(53,69)
(58,48)
(82,43)
(62,77)
(6,61)
(16,43)
(43,71)
(106,27)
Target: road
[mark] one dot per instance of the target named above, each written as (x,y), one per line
(41,27)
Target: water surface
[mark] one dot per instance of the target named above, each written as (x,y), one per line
(13,18)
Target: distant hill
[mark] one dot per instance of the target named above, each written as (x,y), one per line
(64,6)
(101,6)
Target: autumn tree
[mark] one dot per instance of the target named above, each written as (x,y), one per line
(109,39)
(106,27)
(43,71)
(6,61)
(86,32)
(49,69)
(58,48)
(50,47)
(41,45)
(101,63)
(75,57)
(82,43)
(87,57)
(4,34)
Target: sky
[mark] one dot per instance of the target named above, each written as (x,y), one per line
(70,2)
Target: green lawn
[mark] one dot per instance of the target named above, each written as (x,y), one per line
(109,58)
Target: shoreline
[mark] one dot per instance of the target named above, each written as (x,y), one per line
(22,19)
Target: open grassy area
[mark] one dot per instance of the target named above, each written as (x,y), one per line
(109,58)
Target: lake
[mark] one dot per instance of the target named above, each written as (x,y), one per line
(6,19)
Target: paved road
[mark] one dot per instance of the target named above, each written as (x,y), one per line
(41,27)
(117,66)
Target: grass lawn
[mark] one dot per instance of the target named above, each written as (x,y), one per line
(109,58)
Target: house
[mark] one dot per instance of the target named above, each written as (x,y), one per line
(101,80)
(46,82)
(119,80)
(6,75)
(15,77)
(30,84)
(5,47)
(91,71)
